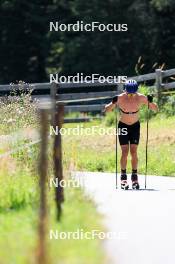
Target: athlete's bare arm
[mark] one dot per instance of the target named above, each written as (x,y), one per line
(109,107)
(144,100)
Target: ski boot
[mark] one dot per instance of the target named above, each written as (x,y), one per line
(134,179)
(124,184)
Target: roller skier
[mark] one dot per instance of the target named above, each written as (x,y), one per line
(129,103)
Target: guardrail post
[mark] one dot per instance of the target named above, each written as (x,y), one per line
(159,84)
(42,228)
(57,156)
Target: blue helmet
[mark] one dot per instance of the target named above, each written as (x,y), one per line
(131,86)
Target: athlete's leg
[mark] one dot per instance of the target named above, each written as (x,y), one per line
(134,141)
(123,163)
(124,156)
(134,157)
(134,162)
(124,143)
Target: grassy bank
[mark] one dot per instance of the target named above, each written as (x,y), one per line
(19,203)
(19,198)
(18,230)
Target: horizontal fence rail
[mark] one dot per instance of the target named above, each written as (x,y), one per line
(18,149)
(79,96)
(168,86)
(47,86)
(84,108)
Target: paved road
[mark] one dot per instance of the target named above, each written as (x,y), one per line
(144,220)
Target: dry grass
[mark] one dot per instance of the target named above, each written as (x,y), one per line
(17,113)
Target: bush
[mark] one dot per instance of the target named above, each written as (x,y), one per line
(169,106)
(167,103)
(110,119)
(17,112)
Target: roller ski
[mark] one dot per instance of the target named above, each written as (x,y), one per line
(124,183)
(135,184)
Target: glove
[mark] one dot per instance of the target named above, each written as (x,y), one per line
(150,98)
(115,99)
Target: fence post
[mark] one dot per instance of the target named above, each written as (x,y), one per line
(42,228)
(53,95)
(57,156)
(159,84)
(120,88)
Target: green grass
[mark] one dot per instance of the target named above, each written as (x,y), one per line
(97,153)
(18,229)
(79,214)
(19,203)
(18,235)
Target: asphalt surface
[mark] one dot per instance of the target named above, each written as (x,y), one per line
(143,222)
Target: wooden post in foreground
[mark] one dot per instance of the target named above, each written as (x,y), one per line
(57,156)
(42,228)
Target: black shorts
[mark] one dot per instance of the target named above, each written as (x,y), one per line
(133,133)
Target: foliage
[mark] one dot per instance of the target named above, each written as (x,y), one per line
(163,4)
(30,52)
(110,119)
(169,105)
(17,112)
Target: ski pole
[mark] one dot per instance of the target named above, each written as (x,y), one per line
(146,165)
(116,150)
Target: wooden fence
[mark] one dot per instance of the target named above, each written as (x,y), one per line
(76,102)
(158,76)
(94,95)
